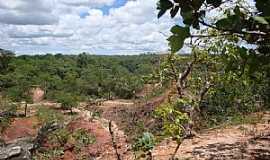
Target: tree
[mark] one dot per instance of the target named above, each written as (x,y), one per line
(20,94)
(239,24)
(5,58)
(67,101)
(241,20)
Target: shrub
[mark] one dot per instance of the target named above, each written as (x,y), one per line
(144,143)
(67,101)
(83,138)
(47,115)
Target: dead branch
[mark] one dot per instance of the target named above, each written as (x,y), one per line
(113,141)
(43,133)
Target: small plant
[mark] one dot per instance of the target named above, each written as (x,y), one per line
(62,136)
(80,138)
(49,154)
(83,138)
(144,143)
(174,121)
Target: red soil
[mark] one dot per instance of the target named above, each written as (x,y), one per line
(21,128)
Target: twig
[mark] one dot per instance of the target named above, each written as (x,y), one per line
(113,141)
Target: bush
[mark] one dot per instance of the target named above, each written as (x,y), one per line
(47,115)
(67,101)
(83,138)
(172,118)
(144,143)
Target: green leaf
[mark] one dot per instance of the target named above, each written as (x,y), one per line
(215,3)
(163,6)
(261,20)
(243,52)
(231,23)
(174,11)
(161,13)
(176,41)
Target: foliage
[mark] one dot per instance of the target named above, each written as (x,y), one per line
(47,115)
(6,107)
(83,76)
(67,101)
(144,143)
(242,32)
(173,119)
(5,58)
(83,138)
(59,138)
(50,154)
(240,19)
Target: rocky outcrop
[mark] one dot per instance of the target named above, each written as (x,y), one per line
(20,149)
(17,150)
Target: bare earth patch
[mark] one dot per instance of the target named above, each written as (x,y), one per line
(236,142)
(21,128)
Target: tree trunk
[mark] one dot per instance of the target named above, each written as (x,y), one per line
(71,111)
(25,109)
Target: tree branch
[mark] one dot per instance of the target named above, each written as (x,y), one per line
(113,141)
(231,30)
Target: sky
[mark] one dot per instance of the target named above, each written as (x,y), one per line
(75,26)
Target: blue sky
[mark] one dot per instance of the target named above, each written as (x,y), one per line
(116,4)
(74,26)
(105,9)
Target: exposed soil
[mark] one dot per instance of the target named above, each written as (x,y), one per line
(102,148)
(249,141)
(20,128)
(234,142)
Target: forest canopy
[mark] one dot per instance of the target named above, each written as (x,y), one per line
(85,76)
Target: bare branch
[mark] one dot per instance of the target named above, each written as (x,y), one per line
(113,141)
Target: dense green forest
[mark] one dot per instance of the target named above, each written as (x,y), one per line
(85,76)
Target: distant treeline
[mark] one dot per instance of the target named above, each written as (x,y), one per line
(84,75)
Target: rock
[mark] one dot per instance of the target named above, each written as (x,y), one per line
(18,150)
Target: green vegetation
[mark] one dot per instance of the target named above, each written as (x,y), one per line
(47,115)
(145,143)
(84,76)
(222,79)
(8,111)
(61,138)
(67,101)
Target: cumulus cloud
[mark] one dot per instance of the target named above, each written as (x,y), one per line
(90,3)
(27,12)
(27,18)
(130,28)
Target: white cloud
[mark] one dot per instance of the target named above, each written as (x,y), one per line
(27,12)
(90,3)
(127,29)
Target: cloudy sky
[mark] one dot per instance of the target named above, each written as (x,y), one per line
(73,26)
